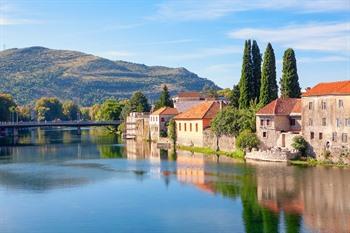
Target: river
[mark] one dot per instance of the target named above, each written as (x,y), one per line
(57,181)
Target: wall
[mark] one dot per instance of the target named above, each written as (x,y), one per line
(188,137)
(331,113)
(226,143)
(274,155)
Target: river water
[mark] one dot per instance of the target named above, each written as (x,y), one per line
(58,181)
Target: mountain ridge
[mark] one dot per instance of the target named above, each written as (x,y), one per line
(33,72)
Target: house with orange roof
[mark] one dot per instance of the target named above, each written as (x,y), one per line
(326,117)
(278,122)
(190,125)
(158,121)
(185,100)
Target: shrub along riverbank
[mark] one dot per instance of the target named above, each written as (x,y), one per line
(238,154)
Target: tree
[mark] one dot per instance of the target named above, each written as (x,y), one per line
(110,110)
(300,144)
(70,110)
(6,102)
(246,88)
(226,122)
(49,108)
(139,103)
(247,140)
(24,113)
(164,99)
(172,131)
(290,87)
(268,89)
(94,111)
(256,60)
(234,98)
(85,113)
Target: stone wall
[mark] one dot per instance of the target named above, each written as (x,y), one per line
(226,143)
(273,155)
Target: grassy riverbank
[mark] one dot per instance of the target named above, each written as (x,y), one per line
(313,162)
(238,154)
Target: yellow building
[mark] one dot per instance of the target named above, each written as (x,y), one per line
(190,125)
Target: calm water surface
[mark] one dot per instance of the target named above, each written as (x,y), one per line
(57,181)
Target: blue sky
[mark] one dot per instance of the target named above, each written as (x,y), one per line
(203,36)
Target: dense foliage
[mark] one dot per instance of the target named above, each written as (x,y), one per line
(256,70)
(48,108)
(290,87)
(164,99)
(245,84)
(247,140)
(172,131)
(139,103)
(300,144)
(110,110)
(6,103)
(71,110)
(268,88)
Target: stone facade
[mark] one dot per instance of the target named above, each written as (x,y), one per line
(190,132)
(225,143)
(326,124)
(273,155)
(137,126)
(158,123)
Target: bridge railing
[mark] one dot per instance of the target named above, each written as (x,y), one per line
(53,123)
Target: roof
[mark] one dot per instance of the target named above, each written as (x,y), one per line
(192,94)
(282,106)
(204,110)
(331,88)
(165,111)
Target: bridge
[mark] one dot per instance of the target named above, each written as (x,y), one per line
(36,124)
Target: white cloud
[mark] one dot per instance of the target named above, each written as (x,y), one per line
(208,9)
(315,36)
(9,15)
(323,59)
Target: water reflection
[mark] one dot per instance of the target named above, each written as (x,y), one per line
(272,197)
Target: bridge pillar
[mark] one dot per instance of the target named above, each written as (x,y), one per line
(79,130)
(15,132)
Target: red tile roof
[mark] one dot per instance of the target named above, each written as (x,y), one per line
(204,110)
(192,94)
(165,111)
(282,106)
(331,88)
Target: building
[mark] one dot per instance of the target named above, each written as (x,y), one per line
(137,126)
(326,117)
(159,120)
(190,125)
(278,122)
(185,100)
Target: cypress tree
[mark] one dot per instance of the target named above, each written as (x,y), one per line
(256,59)
(290,87)
(268,89)
(245,87)
(164,99)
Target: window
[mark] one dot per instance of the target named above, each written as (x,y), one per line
(267,122)
(334,137)
(196,127)
(292,122)
(323,105)
(347,122)
(190,127)
(264,134)
(310,106)
(340,103)
(339,122)
(310,122)
(261,122)
(324,122)
(179,126)
(312,135)
(162,119)
(320,136)
(185,127)
(344,137)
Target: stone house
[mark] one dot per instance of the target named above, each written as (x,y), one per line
(326,117)
(137,126)
(279,122)
(191,124)
(185,100)
(158,121)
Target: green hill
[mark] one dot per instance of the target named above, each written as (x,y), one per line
(31,73)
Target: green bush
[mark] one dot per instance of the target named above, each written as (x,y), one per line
(300,144)
(247,140)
